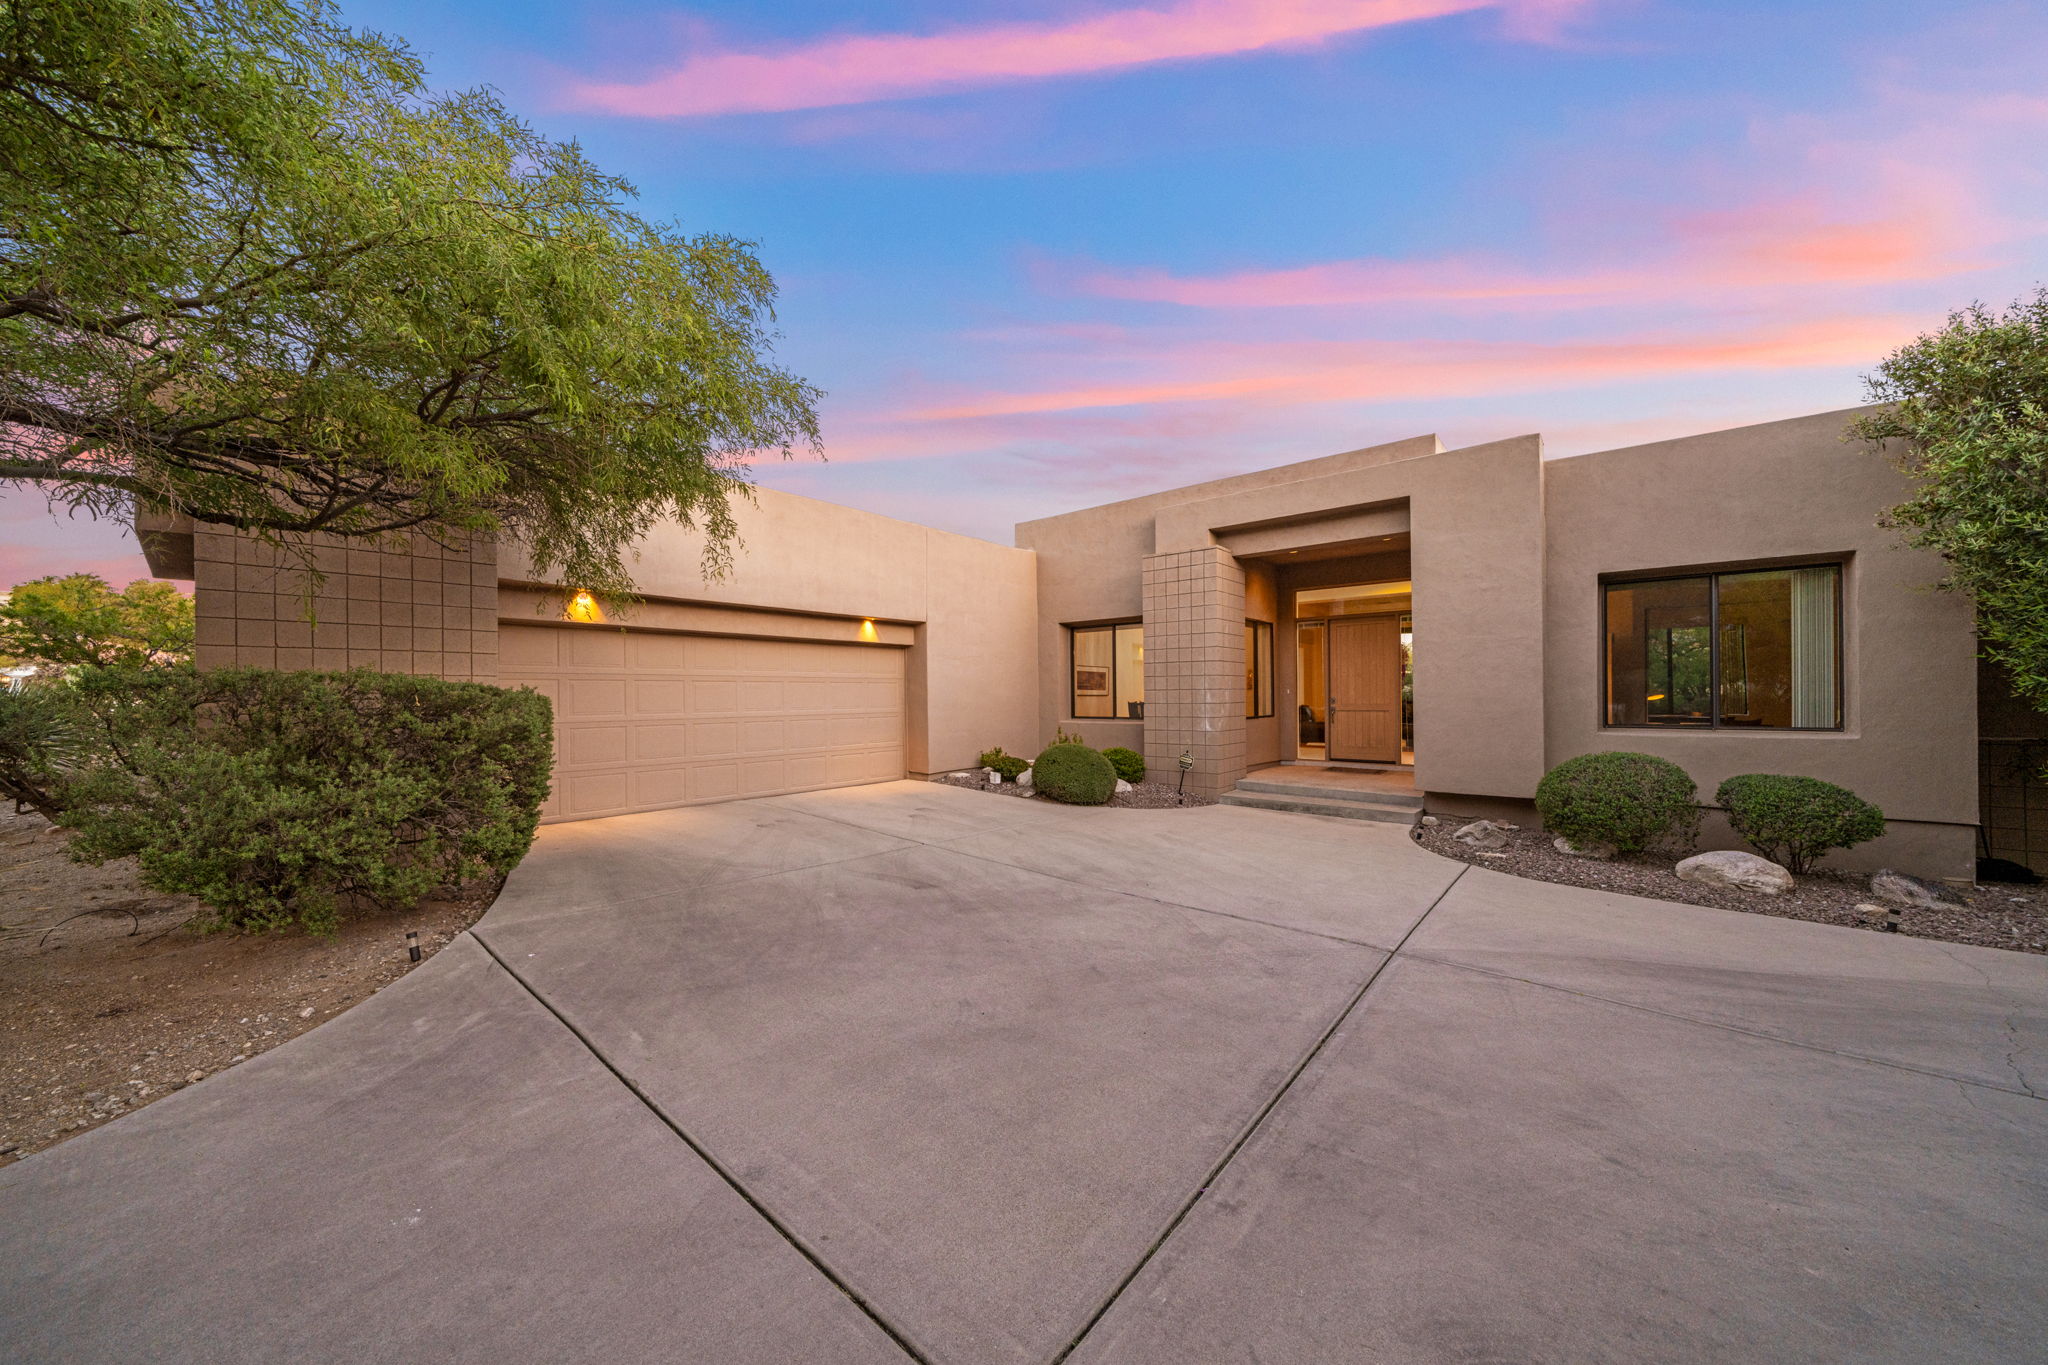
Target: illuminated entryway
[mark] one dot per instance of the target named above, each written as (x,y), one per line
(1355,659)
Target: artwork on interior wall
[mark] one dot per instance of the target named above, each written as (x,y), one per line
(1090,682)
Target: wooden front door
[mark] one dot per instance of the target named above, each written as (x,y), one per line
(1365,689)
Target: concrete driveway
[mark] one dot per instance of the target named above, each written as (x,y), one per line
(910,1072)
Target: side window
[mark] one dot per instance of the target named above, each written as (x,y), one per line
(1107,674)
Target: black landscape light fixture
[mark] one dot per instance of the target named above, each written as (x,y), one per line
(412,944)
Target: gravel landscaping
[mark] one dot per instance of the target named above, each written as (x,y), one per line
(1990,916)
(110,998)
(1141,796)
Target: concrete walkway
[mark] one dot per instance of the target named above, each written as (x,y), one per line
(909,1072)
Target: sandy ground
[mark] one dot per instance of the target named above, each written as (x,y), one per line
(109,998)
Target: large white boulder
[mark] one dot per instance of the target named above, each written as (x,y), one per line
(1122,785)
(1024,779)
(1900,889)
(1743,871)
(1482,834)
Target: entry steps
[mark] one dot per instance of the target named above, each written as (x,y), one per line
(1305,798)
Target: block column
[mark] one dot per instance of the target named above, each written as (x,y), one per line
(1194,667)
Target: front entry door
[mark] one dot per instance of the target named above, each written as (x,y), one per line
(1365,689)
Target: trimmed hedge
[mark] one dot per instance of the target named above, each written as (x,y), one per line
(1075,774)
(1129,763)
(1009,766)
(278,797)
(1796,820)
(1625,799)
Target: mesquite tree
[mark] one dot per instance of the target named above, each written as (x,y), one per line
(1968,419)
(251,270)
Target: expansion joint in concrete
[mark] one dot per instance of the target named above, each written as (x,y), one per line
(1258,1120)
(783,1230)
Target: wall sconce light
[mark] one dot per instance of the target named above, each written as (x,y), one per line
(867,631)
(583,607)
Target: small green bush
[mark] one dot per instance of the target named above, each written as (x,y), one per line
(1008,766)
(1796,820)
(1129,763)
(276,797)
(1624,799)
(1075,774)
(39,740)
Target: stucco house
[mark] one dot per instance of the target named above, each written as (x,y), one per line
(1462,618)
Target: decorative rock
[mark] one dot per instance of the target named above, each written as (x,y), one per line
(1482,834)
(1900,889)
(1122,785)
(1024,779)
(1572,850)
(995,779)
(1430,822)
(1743,871)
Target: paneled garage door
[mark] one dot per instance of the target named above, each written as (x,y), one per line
(645,720)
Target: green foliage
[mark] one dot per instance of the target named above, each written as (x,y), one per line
(77,621)
(1074,773)
(39,741)
(1060,736)
(1796,820)
(276,797)
(1129,763)
(1009,766)
(1628,800)
(251,269)
(1969,422)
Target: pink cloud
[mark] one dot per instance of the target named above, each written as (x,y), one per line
(861,69)
(1777,245)
(1384,371)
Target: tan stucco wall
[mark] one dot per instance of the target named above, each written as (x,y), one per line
(1780,490)
(966,607)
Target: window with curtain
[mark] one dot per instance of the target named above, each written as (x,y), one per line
(1107,677)
(1258,670)
(1759,649)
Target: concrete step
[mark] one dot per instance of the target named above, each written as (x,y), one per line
(1364,796)
(1321,805)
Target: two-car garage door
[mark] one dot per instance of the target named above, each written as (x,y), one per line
(646,719)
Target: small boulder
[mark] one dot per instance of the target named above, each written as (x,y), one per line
(995,779)
(1572,850)
(1122,785)
(1024,779)
(1482,834)
(1900,889)
(1430,822)
(1743,871)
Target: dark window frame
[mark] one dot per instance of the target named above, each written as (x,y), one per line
(1261,678)
(1714,577)
(1073,634)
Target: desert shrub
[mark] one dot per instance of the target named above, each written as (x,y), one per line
(1009,766)
(1129,763)
(39,741)
(1060,736)
(1075,774)
(1796,820)
(277,797)
(1624,799)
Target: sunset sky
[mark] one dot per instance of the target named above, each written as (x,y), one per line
(1044,255)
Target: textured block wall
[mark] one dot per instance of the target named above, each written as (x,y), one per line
(1194,667)
(414,606)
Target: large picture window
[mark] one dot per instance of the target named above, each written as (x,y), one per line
(1258,670)
(1754,650)
(1107,679)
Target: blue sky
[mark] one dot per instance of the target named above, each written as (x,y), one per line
(1041,256)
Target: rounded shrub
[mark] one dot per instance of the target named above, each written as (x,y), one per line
(282,798)
(1129,763)
(1075,774)
(1796,820)
(1007,766)
(1623,799)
